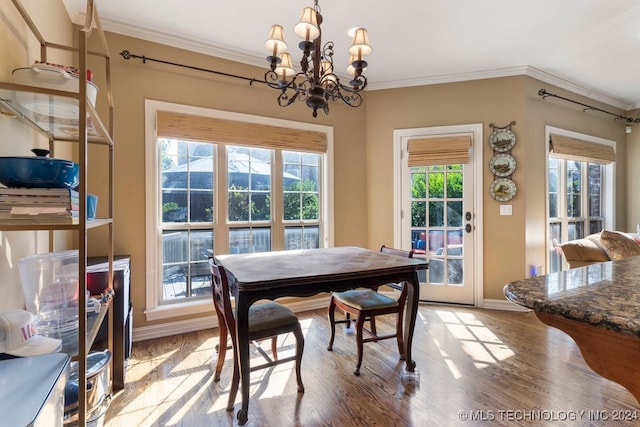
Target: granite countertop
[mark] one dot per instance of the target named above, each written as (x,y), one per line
(605,295)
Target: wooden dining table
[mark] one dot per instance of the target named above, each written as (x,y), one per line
(307,272)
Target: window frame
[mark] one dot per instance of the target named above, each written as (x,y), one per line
(156,311)
(608,194)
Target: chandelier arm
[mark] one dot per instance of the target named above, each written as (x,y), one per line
(352,100)
(361,85)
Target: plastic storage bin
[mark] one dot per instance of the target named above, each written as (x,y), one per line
(50,286)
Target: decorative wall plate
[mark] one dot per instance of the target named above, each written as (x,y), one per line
(502,140)
(503,189)
(502,165)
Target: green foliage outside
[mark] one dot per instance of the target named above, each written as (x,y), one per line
(293,208)
(300,202)
(436,190)
(170,206)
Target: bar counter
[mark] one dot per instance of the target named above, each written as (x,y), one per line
(599,307)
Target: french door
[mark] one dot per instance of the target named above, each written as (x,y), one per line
(438,208)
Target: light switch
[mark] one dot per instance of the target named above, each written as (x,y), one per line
(505,210)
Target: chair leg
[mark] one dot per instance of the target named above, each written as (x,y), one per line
(359,327)
(297,332)
(372,325)
(235,382)
(222,347)
(400,334)
(274,347)
(332,322)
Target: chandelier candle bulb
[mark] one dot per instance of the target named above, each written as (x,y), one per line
(360,46)
(285,68)
(307,28)
(275,44)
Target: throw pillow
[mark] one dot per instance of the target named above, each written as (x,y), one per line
(617,245)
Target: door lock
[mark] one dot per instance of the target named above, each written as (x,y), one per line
(467,216)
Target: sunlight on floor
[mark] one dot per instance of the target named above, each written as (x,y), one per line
(478,341)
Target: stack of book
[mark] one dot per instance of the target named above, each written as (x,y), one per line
(39,206)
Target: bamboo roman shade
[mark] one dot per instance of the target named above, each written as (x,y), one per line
(577,149)
(440,150)
(199,128)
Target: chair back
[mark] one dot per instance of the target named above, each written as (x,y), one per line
(221,297)
(401,253)
(397,252)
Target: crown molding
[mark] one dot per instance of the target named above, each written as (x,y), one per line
(529,71)
(206,48)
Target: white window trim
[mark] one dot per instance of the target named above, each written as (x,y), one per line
(153,310)
(609,178)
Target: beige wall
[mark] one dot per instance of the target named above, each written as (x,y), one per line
(511,243)
(363,146)
(18,48)
(133,82)
(632,178)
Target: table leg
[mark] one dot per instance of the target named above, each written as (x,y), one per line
(242,340)
(413,297)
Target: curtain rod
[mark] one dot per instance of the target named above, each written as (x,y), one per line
(128,55)
(543,93)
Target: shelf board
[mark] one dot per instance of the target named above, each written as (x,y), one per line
(53,113)
(22,225)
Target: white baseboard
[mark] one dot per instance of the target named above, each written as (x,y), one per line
(208,322)
(503,304)
(297,306)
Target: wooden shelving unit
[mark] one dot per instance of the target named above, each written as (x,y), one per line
(87,129)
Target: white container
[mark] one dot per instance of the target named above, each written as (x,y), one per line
(50,77)
(50,287)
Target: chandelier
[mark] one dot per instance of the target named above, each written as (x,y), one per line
(316,83)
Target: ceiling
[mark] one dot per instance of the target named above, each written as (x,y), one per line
(591,47)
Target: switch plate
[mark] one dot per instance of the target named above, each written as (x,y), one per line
(506,210)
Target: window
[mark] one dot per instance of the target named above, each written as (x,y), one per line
(226,191)
(580,192)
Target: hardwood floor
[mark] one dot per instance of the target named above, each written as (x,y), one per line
(477,367)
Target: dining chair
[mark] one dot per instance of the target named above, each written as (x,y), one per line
(366,304)
(266,321)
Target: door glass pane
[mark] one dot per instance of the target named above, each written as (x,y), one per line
(454,183)
(436,214)
(436,241)
(418,183)
(454,214)
(418,214)
(419,241)
(454,271)
(436,185)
